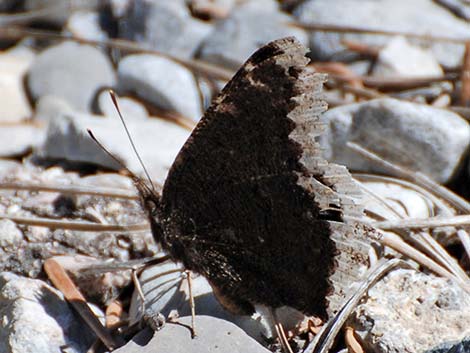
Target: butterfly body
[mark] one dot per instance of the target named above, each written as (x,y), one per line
(249,203)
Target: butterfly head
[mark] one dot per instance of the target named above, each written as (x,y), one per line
(150,200)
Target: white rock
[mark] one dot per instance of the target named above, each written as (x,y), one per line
(14,105)
(422,138)
(412,312)
(72,72)
(9,233)
(85,24)
(406,202)
(8,166)
(162,82)
(416,17)
(158,142)
(27,136)
(35,318)
(400,58)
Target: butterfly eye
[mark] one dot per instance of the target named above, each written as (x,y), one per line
(151,206)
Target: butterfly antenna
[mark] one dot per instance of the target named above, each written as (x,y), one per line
(116,105)
(100,145)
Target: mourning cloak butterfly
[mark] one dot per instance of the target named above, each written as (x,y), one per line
(249,202)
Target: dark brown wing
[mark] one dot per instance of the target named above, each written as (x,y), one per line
(248,202)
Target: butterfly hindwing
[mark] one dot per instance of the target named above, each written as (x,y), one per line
(238,205)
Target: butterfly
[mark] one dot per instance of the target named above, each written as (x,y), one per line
(250,203)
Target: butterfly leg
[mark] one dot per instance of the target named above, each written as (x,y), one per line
(191,304)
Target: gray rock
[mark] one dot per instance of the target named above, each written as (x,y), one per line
(360,67)
(393,15)
(35,318)
(460,8)
(109,180)
(6,5)
(27,136)
(58,11)
(51,107)
(213,335)
(14,105)
(165,290)
(86,25)
(419,137)
(162,82)
(157,141)
(409,311)
(130,108)
(452,347)
(247,28)
(160,285)
(166,26)
(400,58)
(70,71)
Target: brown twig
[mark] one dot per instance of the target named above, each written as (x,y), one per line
(464,112)
(392,83)
(72,189)
(339,71)
(394,242)
(114,313)
(28,16)
(74,225)
(362,30)
(362,92)
(351,341)
(64,283)
(465,76)
(361,48)
(324,340)
(121,44)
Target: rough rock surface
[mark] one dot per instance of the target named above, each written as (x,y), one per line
(412,312)
(24,248)
(23,303)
